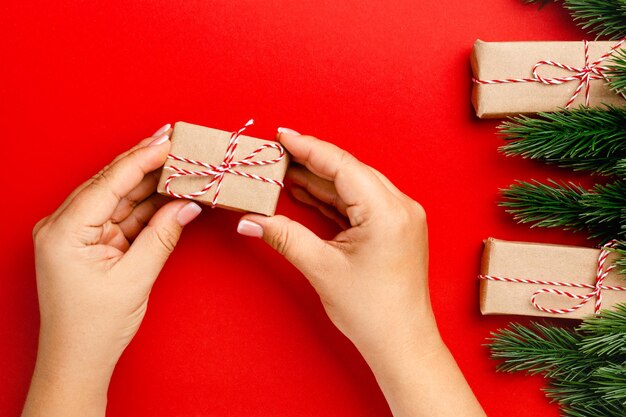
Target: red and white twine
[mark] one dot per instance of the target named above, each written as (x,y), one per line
(228,166)
(601,273)
(584,75)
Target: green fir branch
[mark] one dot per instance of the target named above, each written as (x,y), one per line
(595,406)
(538,349)
(582,139)
(605,335)
(602,17)
(569,206)
(604,210)
(617,71)
(578,396)
(545,205)
(611,382)
(605,18)
(586,379)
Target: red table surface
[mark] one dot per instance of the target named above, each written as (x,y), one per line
(233,329)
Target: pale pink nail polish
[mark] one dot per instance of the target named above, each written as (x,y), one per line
(287,131)
(162,130)
(248,228)
(160,140)
(188,213)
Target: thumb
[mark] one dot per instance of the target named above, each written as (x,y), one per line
(157,240)
(300,246)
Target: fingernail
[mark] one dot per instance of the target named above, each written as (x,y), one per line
(287,131)
(159,140)
(188,213)
(162,130)
(248,228)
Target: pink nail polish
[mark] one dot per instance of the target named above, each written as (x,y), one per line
(287,131)
(248,228)
(160,140)
(189,212)
(162,130)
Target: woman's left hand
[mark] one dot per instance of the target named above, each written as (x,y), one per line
(97,257)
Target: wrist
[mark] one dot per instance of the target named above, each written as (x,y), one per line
(66,387)
(409,342)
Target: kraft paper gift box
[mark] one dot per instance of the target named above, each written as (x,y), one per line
(250,188)
(544,262)
(493,61)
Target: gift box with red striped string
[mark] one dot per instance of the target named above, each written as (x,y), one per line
(224,169)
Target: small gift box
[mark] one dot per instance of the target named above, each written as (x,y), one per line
(512,78)
(534,279)
(224,169)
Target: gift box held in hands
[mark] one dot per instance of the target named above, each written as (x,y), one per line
(224,169)
(512,78)
(533,279)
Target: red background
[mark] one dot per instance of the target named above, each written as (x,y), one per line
(232,329)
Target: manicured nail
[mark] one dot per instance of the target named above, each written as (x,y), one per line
(248,228)
(162,130)
(161,139)
(188,213)
(287,131)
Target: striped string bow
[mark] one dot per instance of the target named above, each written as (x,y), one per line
(229,165)
(584,76)
(601,273)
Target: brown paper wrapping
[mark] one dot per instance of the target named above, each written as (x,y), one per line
(501,60)
(542,262)
(237,193)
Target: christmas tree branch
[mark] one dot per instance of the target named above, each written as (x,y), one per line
(538,349)
(611,382)
(586,366)
(603,17)
(599,210)
(617,71)
(582,139)
(605,335)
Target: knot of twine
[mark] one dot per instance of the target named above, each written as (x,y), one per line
(216,173)
(584,75)
(601,273)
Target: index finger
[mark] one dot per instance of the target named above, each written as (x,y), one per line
(94,205)
(356,184)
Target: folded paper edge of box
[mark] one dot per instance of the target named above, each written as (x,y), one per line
(484,269)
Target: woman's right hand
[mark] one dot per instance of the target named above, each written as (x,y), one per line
(372,277)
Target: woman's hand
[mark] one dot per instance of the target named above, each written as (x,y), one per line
(372,278)
(97,257)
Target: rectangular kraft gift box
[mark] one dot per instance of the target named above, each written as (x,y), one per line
(544,262)
(236,193)
(502,60)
